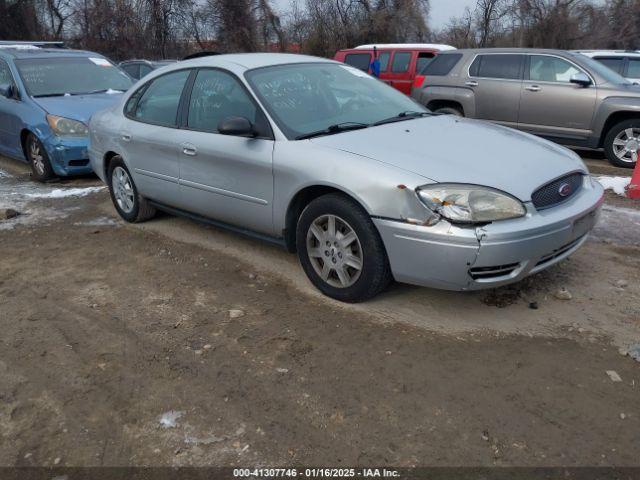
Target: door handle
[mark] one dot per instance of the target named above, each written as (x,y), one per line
(189,149)
(126,137)
(533,88)
(471,83)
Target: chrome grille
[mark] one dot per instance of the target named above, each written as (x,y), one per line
(550,195)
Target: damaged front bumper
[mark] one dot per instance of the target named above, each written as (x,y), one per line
(454,257)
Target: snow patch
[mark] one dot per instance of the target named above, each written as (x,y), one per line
(170,419)
(65,192)
(617,184)
(4,174)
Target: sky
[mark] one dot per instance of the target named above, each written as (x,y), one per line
(443,10)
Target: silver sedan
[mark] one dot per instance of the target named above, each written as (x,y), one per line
(362,182)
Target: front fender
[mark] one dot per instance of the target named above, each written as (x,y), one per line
(382,190)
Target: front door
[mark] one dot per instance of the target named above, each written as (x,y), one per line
(150,137)
(224,177)
(551,105)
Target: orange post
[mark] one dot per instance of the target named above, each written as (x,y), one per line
(633,190)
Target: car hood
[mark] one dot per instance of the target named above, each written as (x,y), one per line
(451,149)
(78,107)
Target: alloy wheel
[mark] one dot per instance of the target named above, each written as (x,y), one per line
(335,251)
(626,145)
(123,189)
(36,157)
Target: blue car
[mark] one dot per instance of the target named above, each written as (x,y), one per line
(47,96)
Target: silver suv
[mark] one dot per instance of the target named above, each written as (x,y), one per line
(563,96)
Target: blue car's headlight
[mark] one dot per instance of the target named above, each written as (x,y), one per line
(66,127)
(470,203)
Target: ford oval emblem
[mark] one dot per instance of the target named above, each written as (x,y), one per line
(564,190)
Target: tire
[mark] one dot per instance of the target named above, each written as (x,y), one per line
(131,206)
(365,249)
(619,133)
(41,170)
(449,111)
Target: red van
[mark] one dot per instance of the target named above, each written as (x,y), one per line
(400,63)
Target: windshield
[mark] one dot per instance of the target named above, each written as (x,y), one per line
(70,75)
(604,72)
(305,98)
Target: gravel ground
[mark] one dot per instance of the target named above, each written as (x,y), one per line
(172,343)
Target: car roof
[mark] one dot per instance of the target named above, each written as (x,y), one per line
(509,50)
(247,61)
(408,46)
(612,53)
(19,53)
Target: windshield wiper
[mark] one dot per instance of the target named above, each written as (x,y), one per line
(101,90)
(407,115)
(50,95)
(331,129)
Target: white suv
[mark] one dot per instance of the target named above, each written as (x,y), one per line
(624,62)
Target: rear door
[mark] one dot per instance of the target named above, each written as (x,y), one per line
(150,137)
(551,105)
(496,80)
(399,73)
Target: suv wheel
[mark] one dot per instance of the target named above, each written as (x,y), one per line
(449,111)
(131,206)
(340,249)
(38,159)
(622,143)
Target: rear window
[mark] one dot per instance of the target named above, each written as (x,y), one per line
(614,64)
(442,64)
(634,68)
(505,66)
(401,61)
(359,60)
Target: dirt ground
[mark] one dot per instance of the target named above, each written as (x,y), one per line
(173,343)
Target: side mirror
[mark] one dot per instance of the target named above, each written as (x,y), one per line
(581,79)
(6,90)
(238,126)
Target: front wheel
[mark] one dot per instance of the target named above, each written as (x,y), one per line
(38,159)
(622,143)
(131,206)
(340,249)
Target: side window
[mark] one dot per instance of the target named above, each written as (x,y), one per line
(550,69)
(5,74)
(401,61)
(505,66)
(424,59)
(132,69)
(384,61)
(442,64)
(359,60)
(633,70)
(159,102)
(614,64)
(217,95)
(145,70)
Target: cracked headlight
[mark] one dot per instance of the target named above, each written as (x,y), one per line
(66,127)
(461,203)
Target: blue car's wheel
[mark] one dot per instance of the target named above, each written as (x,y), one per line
(36,154)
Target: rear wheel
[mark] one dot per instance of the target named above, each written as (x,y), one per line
(340,249)
(131,206)
(622,143)
(38,159)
